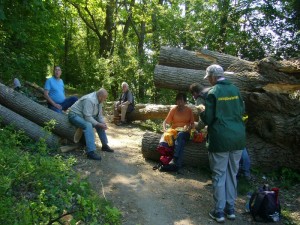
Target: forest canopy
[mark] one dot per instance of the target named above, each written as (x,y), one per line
(102,43)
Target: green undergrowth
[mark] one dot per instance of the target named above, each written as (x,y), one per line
(40,187)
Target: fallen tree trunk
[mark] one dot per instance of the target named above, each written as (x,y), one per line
(195,154)
(198,60)
(263,155)
(32,130)
(36,112)
(151,111)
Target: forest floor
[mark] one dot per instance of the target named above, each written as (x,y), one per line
(149,197)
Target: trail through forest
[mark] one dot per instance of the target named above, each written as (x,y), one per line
(146,196)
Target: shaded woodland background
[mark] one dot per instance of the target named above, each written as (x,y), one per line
(159,47)
(102,43)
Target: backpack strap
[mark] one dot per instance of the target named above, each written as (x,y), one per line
(255,203)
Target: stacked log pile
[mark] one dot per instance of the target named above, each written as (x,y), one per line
(271,91)
(30,116)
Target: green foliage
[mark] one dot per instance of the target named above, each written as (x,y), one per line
(39,188)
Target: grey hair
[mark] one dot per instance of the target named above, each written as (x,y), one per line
(125,84)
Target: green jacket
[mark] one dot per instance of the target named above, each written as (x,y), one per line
(223,113)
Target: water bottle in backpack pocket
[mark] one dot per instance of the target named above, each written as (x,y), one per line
(264,205)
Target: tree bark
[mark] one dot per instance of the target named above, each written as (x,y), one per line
(151,111)
(181,78)
(195,154)
(198,60)
(31,129)
(36,112)
(262,154)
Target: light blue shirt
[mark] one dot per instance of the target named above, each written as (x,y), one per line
(56,89)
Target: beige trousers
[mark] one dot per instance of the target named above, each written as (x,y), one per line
(121,108)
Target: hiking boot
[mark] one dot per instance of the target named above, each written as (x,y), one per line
(93,155)
(217,216)
(230,214)
(106,148)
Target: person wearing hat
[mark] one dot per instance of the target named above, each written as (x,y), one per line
(87,114)
(223,112)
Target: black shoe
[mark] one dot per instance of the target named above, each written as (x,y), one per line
(93,155)
(106,148)
(121,123)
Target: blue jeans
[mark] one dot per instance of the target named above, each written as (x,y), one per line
(88,131)
(67,103)
(245,164)
(181,140)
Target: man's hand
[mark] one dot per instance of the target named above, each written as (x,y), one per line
(102,126)
(200,107)
(57,106)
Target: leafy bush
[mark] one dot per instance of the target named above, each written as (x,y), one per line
(42,189)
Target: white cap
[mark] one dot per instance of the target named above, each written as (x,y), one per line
(214,70)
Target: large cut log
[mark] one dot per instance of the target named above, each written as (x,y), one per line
(181,78)
(201,59)
(198,60)
(152,111)
(32,130)
(35,112)
(262,154)
(195,154)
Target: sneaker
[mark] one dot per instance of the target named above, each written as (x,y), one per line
(217,216)
(93,155)
(106,148)
(78,135)
(230,214)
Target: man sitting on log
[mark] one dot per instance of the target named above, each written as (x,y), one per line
(223,113)
(54,92)
(125,104)
(86,114)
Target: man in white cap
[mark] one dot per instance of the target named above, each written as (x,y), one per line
(223,114)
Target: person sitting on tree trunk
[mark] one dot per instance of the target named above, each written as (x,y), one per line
(125,103)
(54,92)
(86,114)
(181,118)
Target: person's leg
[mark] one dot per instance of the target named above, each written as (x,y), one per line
(245,164)
(231,183)
(218,162)
(123,111)
(88,131)
(68,102)
(54,108)
(103,138)
(182,138)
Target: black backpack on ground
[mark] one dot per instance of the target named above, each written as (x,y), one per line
(265,205)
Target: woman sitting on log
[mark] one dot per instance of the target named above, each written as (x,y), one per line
(180,118)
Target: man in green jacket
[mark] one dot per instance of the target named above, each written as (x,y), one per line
(223,114)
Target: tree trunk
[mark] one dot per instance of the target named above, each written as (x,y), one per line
(198,60)
(31,129)
(36,112)
(264,155)
(181,78)
(151,111)
(195,154)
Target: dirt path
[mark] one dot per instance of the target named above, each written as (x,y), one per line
(145,196)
